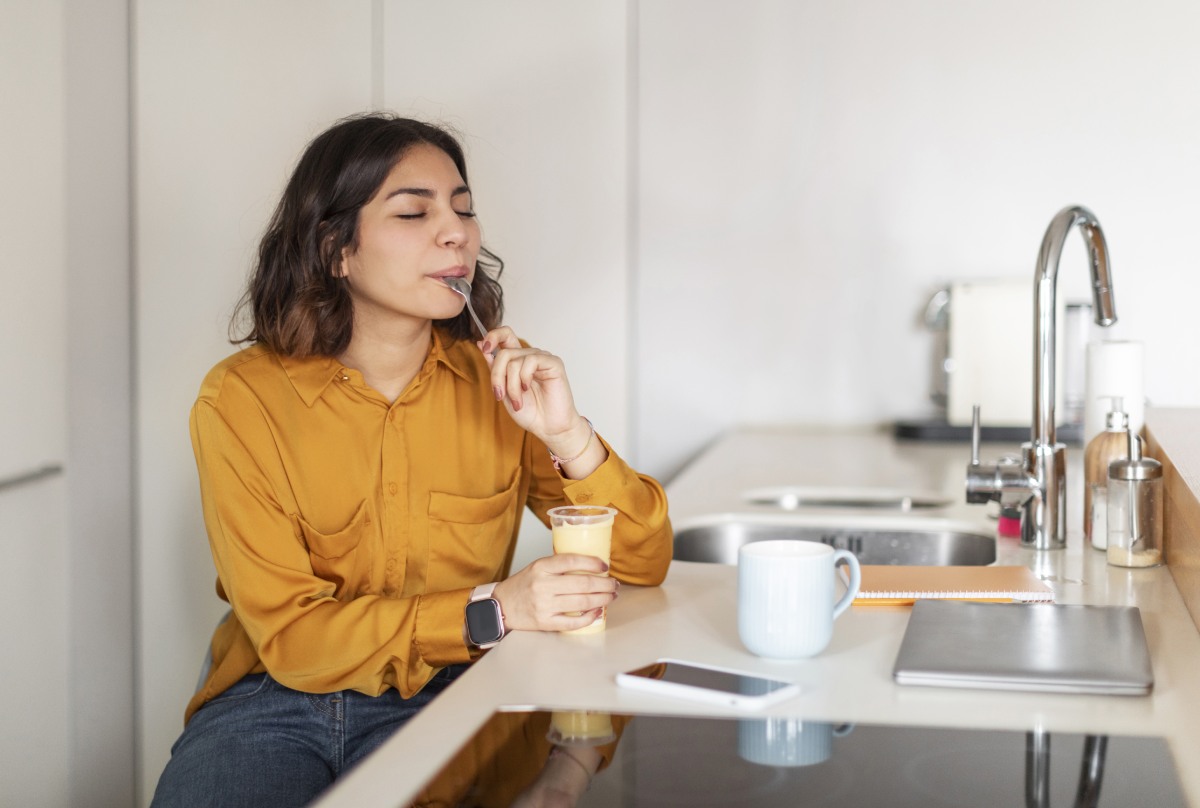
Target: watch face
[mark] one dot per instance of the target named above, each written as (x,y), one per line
(483,622)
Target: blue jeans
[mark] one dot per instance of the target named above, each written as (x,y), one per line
(264,745)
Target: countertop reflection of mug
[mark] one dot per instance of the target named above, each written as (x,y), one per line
(786,593)
(787,741)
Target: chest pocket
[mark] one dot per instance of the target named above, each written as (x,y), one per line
(335,556)
(469,537)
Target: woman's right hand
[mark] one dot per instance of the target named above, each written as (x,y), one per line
(538,597)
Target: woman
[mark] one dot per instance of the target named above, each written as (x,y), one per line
(363,467)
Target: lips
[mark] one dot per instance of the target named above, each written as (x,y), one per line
(452,272)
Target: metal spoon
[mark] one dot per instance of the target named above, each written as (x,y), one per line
(463,287)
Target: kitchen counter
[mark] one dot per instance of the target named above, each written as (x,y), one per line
(693,616)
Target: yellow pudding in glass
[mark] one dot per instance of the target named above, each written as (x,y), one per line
(585,530)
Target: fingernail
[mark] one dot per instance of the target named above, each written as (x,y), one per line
(524,387)
(486,347)
(499,393)
(516,404)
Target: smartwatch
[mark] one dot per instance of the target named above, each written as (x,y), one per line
(485,620)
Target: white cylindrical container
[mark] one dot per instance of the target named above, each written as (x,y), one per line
(1114,368)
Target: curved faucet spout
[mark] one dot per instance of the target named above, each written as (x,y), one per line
(1045,282)
(1040,484)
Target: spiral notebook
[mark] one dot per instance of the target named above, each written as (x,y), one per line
(899,585)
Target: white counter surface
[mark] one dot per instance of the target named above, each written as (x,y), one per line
(693,616)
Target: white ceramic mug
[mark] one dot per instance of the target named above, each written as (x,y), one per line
(786,602)
(787,741)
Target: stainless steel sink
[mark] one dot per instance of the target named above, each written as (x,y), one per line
(873,541)
(790,498)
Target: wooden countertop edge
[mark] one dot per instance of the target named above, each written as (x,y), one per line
(1173,438)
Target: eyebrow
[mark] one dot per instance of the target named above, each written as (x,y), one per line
(426,193)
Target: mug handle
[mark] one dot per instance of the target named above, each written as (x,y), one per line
(849,559)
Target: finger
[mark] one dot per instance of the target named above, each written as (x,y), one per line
(500,361)
(574,583)
(532,364)
(499,337)
(503,337)
(570,623)
(513,385)
(570,604)
(560,563)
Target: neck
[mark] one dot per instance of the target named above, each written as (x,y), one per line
(389,357)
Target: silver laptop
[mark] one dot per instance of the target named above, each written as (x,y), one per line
(1058,648)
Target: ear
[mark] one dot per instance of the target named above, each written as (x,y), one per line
(341,268)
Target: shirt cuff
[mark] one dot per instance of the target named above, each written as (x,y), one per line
(604,485)
(439,633)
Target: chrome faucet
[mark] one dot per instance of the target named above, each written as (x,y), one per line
(1038,483)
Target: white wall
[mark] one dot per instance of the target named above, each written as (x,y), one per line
(810,172)
(35,599)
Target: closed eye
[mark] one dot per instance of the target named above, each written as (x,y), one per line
(466,214)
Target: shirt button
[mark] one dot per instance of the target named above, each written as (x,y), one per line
(391,488)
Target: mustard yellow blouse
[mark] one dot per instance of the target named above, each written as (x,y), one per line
(348,531)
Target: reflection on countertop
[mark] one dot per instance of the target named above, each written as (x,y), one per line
(785,761)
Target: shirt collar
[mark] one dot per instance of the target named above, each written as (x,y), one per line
(451,354)
(311,375)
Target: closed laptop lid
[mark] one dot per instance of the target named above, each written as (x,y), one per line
(1059,648)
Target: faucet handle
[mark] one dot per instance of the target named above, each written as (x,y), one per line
(1005,481)
(976,431)
(981,482)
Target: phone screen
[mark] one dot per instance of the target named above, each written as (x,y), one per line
(709,679)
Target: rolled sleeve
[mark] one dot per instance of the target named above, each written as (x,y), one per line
(642,535)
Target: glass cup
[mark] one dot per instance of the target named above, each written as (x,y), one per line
(586,530)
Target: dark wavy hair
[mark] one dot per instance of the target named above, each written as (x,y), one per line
(296,305)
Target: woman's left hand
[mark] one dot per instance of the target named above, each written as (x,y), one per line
(533,385)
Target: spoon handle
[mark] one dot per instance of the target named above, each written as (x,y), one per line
(479,325)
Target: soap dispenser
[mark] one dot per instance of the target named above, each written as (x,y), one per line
(1102,450)
(1135,509)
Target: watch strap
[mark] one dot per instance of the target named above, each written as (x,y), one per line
(483,591)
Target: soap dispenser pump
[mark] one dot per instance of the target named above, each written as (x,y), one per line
(1102,450)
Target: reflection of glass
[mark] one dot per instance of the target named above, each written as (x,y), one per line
(580,728)
(788,741)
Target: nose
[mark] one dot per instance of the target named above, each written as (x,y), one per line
(452,230)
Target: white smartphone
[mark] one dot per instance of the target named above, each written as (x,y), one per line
(692,680)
